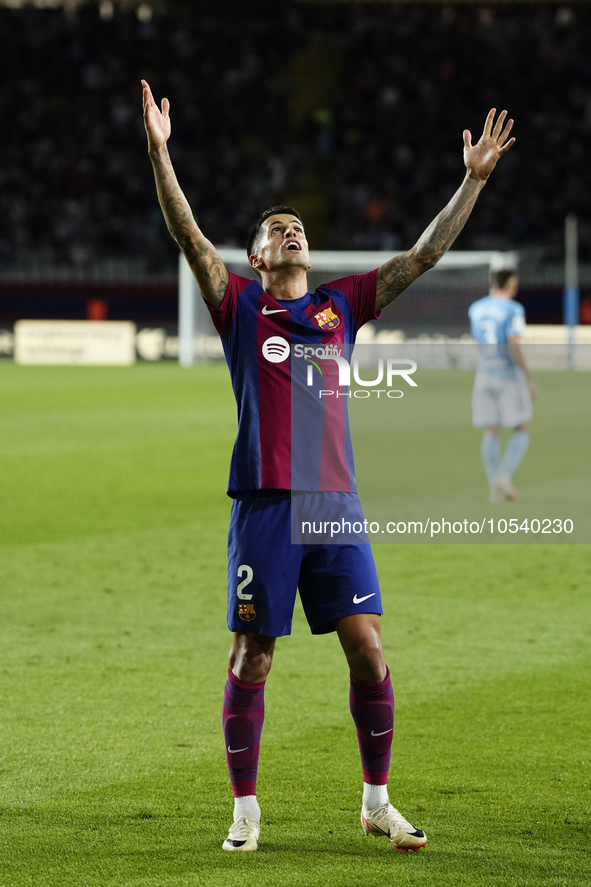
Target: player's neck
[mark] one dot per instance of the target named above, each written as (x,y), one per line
(280,285)
(499,294)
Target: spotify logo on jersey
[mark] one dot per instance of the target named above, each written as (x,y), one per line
(276,349)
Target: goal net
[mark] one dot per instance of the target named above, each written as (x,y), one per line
(417,455)
(434,307)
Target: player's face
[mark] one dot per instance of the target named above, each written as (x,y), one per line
(282,244)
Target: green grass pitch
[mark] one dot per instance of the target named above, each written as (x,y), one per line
(113,654)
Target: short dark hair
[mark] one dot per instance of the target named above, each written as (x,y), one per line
(272,211)
(501,278)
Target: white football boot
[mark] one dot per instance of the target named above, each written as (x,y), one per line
(501,488)
(243,835)
(387,822)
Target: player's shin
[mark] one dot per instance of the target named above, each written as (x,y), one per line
(490,453)
(372,708)
(243,714)
(514,452)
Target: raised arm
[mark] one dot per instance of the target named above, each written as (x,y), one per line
(480,160)
(203,258)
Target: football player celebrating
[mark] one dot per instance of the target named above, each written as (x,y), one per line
(260,323)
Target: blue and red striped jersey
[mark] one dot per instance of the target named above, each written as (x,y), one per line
(278,352)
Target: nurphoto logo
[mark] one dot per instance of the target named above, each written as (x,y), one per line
(276,349)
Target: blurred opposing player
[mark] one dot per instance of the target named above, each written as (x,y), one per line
(503,387)
(260,323)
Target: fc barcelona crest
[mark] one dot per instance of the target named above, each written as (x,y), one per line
(327,319)
(247,612)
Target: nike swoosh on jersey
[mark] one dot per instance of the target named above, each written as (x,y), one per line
(359,600)
(266,310)
(234,751)
(383,733)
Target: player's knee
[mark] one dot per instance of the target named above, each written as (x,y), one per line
(367,660)
(251,657)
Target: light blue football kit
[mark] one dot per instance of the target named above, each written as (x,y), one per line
(493,320)
(500,397)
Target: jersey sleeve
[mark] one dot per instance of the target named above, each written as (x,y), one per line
(361,292)
(224,315)
(516,321)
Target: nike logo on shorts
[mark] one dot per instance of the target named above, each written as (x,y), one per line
(234,751)
(266,310)
(359,600)
(383,733)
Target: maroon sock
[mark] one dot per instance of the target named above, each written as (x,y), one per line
(243,713)
(372,707)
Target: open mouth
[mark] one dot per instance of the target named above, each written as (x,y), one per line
(292,245)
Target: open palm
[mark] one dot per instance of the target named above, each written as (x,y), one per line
(481,158)
(156,121)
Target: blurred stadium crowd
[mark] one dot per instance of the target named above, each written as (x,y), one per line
(354,114)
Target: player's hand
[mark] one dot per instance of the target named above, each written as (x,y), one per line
(481,158)
(533,388)
(156,121)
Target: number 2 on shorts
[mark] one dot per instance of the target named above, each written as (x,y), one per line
(242,570)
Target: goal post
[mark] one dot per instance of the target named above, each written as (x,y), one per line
(571,283)
(435,304)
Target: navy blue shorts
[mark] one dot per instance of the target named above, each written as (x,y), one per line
(265,569)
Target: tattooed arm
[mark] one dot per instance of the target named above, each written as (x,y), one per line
(397,274)
(204,260)
(480,160)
